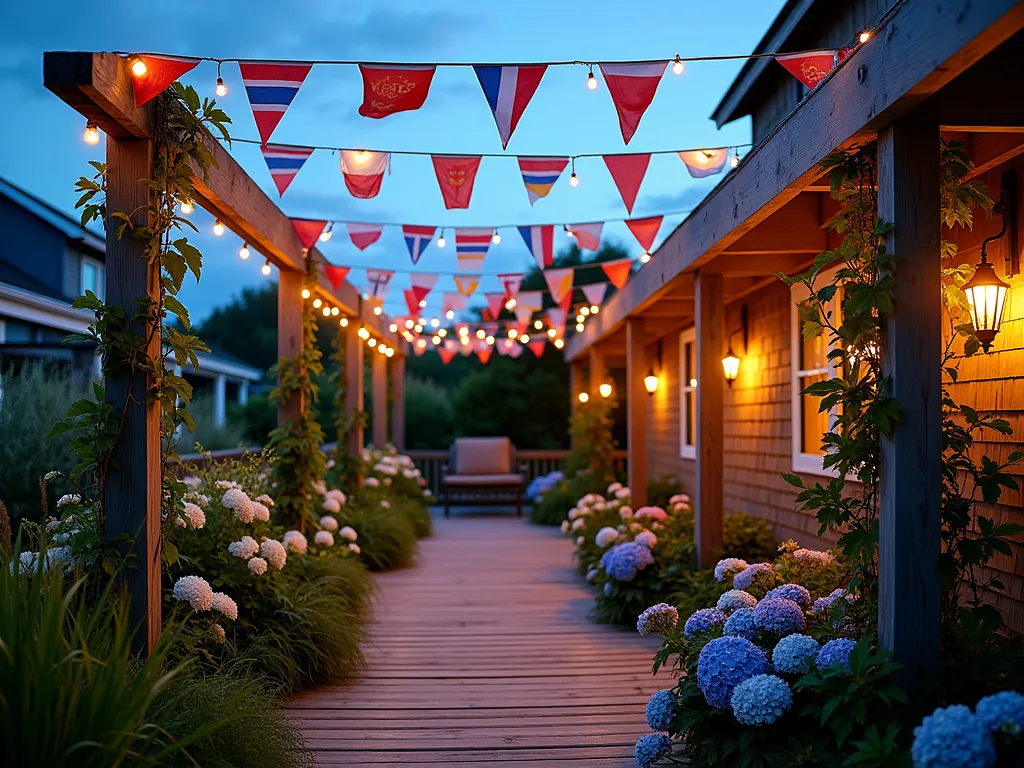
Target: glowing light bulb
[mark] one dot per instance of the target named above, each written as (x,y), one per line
(363,334)
(591,81)
(570,234)
(450,314)
(594,309)
(580,318)
(409,324)
(559,343)
(218,228)
(538,324)
(316,303)
(243,252)
(92,134)
(371,343)
(418,328)
(442,332)
(421,343)
(574,180)
(584,397)
(552,332)
(645,257)
(864,36)
(265,269)
(512,333)
(441,242)
(510,304)
(343,322)
(221,89)
(463,331)
(579,327)
(464,341)
(490,341)
(139,67)
(525,338)
(327,233)
(677,65)
(605,390)
(734,161)
(584,311)
(335,311)
(378,311)
(305,293)
(436,339)
(423,303)
(186,207)
(327,311)
(393,327)
(480,334)
(496,238)
(434,322)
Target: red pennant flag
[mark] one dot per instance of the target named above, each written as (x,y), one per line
(485,313)
(645,230)
(308,230)
(336,275)
(809,68)
(364,235)
(566,301)
(628,173)
(495,303)
(455,177)
(418,348)
(618,271)
(484,353)
(412,302)
(537,347)
(632,88)
(391,89)
(160,72)
(446,354)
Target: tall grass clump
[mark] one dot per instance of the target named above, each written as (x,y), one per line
(211,437)
(387,537)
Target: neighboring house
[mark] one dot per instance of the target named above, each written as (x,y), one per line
(46,260)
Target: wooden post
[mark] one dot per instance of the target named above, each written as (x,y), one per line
(379,377)
(597,370)
(576,386)
(911,460)
(289,333)
(710,321)
(354,386)
(398,401)
(636,410)
(133,482)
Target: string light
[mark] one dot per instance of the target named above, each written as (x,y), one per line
(574,180)
(512,333)
(327,311)
(645,257)
(139,67)
(580,318)
(218,228)
(371,343)
(442,332)
(418,328)
(243,252)
(423,303)
(584,397)
(734,161)
(221,90)
(584,311)
(538,324)
(186,207)
(677,65)
(510,304)
(434,322)
(490,341)
(450,314)
(335,311)
(568,232)
(552,332)
(436,339)
(305,293)
(389,352)
(525,338)
(464,340)
(393,327)
(591,80)
(409,324)
(362,333)
(594,309)
(495,238)
(92,134)
(481,334)
(265,269)
(441,242)
(378,311)
(559,343)
(463,330)
(316,303)
(864,36)
(579,327)
(421,343)
(343,322)
(327,233)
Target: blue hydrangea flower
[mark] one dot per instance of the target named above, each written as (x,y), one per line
(661,708)
(1002,712)
(608,587)
(779,616)
(724,663)
(794,654)
(728,564)
(662,618)
(624,561)
(745,578)
(741,624)
(833,652)
(761,700)
(952,737)
(794,592)
(822,604)
(651,748)
(702,621)
(736,598)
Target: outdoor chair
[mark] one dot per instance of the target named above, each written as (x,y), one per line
(480,470)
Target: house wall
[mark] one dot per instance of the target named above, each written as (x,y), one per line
(32,246)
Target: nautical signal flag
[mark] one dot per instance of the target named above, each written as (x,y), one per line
(559,282)
(645,230)
(284,162)
(540,174)
(511,283)
(495,303)
(364,235)
(541,242)
(508,90)
(161,71)
(810,67)
(363,171)
(393,88)
(704,162)
(588,236)
(422,284)
(417,239)
(618,271)
(628,174)
(471,244)
(632,88)
(308,230)
(378,281)
(455,177)
(271,86)
(594,293)
(556,319)
(467,284)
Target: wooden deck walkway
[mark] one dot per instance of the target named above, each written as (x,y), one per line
(482,655)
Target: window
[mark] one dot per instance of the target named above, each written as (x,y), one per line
(92,279)
(688,394)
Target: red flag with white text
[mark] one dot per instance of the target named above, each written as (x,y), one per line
(810,67)
(455,177)
(394,88)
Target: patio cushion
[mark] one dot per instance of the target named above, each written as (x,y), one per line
(483,455)
(483,480)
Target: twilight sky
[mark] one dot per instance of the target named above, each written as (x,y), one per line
(42,149)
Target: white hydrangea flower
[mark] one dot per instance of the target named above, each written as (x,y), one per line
(195,515)
(330,464)
(371,482)
(626,513)
(354,548)
(331,505)
(52,475)
(577,524)
(385,503)
(296,542)
(219,634)
(265,500)
(324,539)
(239,502)
(328,523)
(580,541)
(274,553)
(348,533)
(225,605)
(614,487)
(245,547)
(225,484)
(58,556)
(192,481)
(257,565)
(199,499)
(196,591)
(27,562)
(565,526)
(260,512)
(606,537)
(336,493)
(68,498)
(622,493)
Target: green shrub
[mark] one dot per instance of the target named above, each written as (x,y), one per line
(661,490)
(207,433)
(429,419)
(387,537)
(556,502)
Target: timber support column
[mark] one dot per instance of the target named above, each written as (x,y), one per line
(133,482)
(379,379)
(710,322)
(909,515)
(354,386)
(636,410)
(289,334)
(597,371)
(398,401)
(576,386)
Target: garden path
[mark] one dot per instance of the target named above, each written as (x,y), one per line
(483,655)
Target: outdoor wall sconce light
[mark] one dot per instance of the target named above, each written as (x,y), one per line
(584,397)
(605,390)
(731,363)
(986,292)
(651,379)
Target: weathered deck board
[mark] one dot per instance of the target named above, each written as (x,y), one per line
(483,655)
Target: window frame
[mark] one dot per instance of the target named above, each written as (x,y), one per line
(686,451)
(100,268)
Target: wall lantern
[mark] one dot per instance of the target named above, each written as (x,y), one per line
(651,379)
(584,397)
(986,292)
(605,390)
(731,363)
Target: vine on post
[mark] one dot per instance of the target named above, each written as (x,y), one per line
(346,465)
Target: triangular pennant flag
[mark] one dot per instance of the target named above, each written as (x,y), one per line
(336,275)
(160,72)
(508,90)
(364,235)
(417,239)
(378,281)
(566,301)
(540,174)
(628,173)
(645,230)
(283,162)
(704,162)
(810,67)
(632,88)
(455,177)
(393,88)
(465,347)
(452,301)
(594,293)
(411,301)
(618,271)
(308,230)
(559,282)
(523,314)
(495,303)
(419,349)
(446,355)
(423,283)
(486,314)
(541,242)
(511,283)
(531,300)
(483,351)
(467,284)
(363,171)
(537,347)
(271,86)
(471,244)
(515,350)
(588,236)
(556,318)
